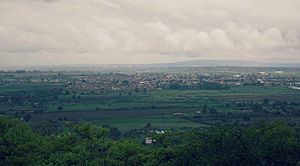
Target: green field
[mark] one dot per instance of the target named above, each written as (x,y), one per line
(124,110)
(163,122)
(174,98)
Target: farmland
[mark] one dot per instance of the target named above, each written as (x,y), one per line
(168,116)
(165,100)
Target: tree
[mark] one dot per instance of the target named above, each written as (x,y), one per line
(85,144)
(257,107)
(204,108)
(126,153)
(19,145)
(148,125)
(213,111)
(27,117)
(114,133)
(60,108)
(266,101)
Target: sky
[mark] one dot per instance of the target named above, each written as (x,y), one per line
(51,32)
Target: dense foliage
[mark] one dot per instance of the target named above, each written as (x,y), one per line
(262,144)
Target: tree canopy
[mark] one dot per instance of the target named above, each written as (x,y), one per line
(84,144)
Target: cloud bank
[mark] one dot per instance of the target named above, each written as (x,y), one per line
(43,32)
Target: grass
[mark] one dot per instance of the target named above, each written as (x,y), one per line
(135,111)
(163,122)
(173,98)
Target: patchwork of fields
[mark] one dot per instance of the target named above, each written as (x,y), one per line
(49,101)
(137,109)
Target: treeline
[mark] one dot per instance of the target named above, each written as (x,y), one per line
(82,144)
(30,95)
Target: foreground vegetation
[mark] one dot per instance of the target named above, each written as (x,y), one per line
(82,144)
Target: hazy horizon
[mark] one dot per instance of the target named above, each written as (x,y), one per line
(141,66)
(58,32)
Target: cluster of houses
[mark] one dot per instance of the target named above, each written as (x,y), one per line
(157,81)
(108,82)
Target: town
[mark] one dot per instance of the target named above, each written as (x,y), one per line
(99,82)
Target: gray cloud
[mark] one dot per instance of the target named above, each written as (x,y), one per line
(143,31)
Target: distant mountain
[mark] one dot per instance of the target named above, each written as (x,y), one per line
(217,63)
(238,63)
(191,63)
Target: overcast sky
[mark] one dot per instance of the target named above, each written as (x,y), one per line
(39,32)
